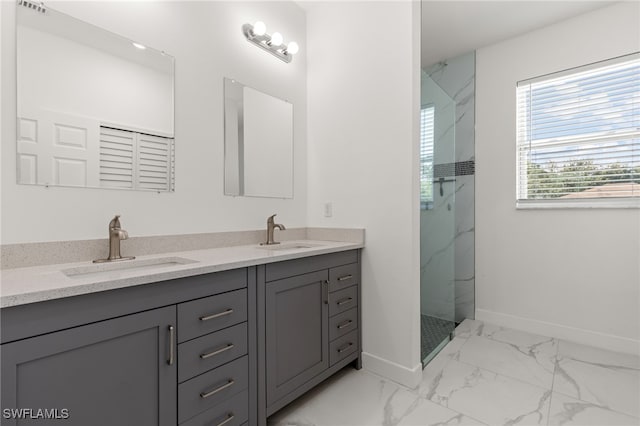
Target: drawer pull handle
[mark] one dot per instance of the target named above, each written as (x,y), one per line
(345,347)
(204,395)
(347,323)
(345,301)
(346,277)
(172,339)
(218,315)
(216,352)
(230,417)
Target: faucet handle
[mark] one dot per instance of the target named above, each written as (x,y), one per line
(115,222)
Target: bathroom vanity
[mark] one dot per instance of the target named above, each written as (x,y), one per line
(209,342)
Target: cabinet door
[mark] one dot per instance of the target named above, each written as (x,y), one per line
(114,372)
(296,332)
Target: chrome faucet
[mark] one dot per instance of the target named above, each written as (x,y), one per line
(116,234)
(271,226)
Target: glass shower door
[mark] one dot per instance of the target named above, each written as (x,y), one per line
(437,218)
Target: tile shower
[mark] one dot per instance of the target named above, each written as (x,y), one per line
(447,225)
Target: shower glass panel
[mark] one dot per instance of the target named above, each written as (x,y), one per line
(437,218)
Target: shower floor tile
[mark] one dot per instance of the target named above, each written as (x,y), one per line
(432,332)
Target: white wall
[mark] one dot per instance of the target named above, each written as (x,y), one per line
(364,97)
(208,44)
(573,274)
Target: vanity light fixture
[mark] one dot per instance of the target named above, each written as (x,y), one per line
(272,43)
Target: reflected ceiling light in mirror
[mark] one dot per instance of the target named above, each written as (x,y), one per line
(139,46)
(274,43)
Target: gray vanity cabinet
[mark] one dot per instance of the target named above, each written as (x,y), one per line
(225,348)
(116,372)
(308,325)
(172,352)
(296,332)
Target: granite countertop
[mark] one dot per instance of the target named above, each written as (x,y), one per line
(39,283)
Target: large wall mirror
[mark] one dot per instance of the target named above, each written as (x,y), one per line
(258,136)
(94,109)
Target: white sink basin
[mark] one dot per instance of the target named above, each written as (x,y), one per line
(289,246)
(125,265)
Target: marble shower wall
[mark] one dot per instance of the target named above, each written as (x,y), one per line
(457,78)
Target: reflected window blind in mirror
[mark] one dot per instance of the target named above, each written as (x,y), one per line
(135,160)
(578,136)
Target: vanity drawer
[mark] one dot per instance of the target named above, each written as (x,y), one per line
(343,323)
(343,276)
(232,412)
(210,351)
(212,388)
(343,300)
(203,316)
(340,348)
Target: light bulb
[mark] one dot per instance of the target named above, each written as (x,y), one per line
(293,48)
(276,39)
(259,28)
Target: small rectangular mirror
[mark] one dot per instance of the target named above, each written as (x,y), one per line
(94,109)
(258,136)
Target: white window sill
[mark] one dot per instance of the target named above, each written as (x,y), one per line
(596,203)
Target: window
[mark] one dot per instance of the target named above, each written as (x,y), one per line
(578,136)
(427,114)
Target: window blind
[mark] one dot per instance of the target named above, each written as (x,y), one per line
(578,134)
(427,116)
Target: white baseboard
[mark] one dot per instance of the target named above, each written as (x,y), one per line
(409,377)
(573,334)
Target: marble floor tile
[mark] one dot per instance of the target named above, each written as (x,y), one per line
(467,328)
(569,411)
(526,357)
(359,398)
(420,412)
(485,375)
(521,339)
(448,353)
(486,396)
(607,379)
(351,397)
(597,355)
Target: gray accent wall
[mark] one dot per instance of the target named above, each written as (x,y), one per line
(457,78)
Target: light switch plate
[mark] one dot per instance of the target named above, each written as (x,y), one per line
(328,209)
